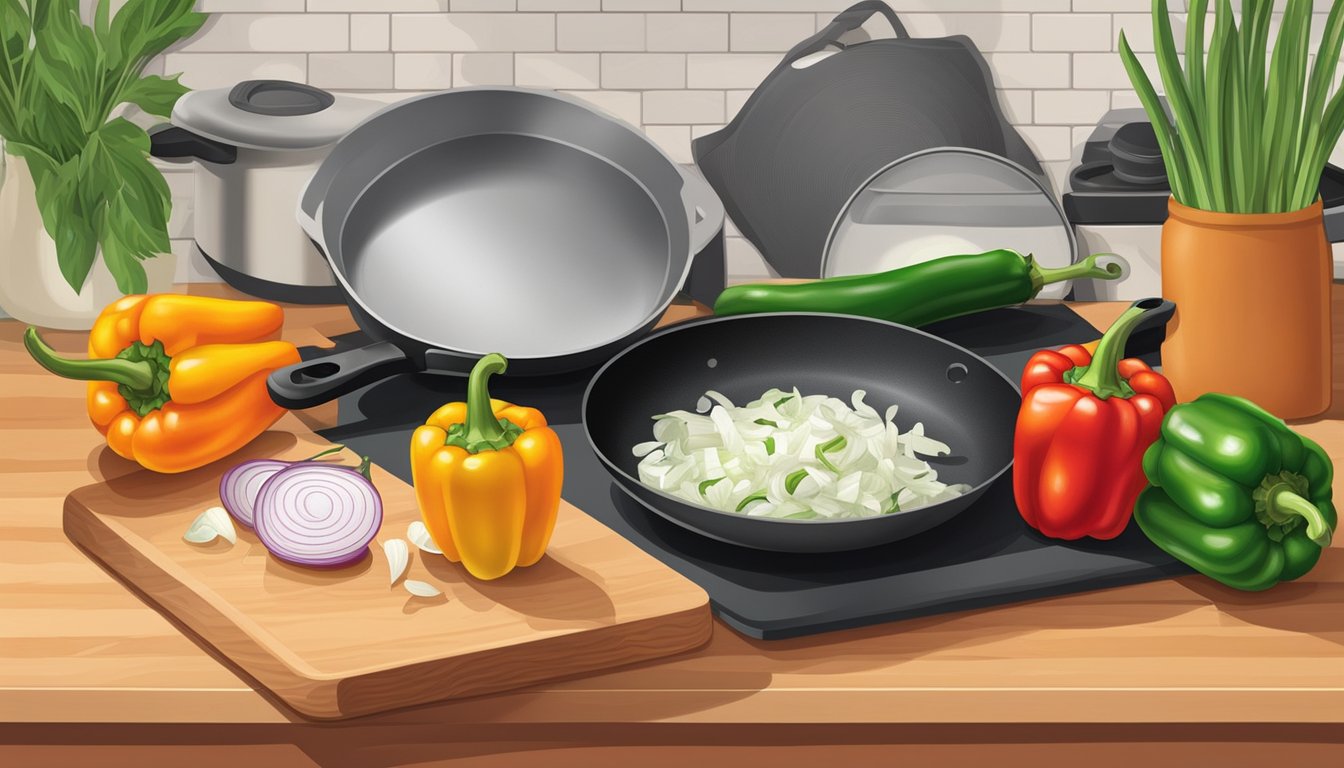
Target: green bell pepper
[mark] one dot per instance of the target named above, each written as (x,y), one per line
(1236,494)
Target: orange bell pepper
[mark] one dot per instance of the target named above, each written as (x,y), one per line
(176,382)
(487,478)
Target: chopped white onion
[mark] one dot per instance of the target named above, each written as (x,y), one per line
(785,455)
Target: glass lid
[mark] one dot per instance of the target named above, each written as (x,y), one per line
(946,201)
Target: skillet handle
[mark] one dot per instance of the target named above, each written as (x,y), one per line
(1148,335)
(314,382)
(705,207)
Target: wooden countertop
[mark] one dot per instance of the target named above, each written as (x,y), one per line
(77,647)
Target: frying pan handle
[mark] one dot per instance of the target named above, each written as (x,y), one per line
(316,381)
(704,206)
(847,20)
(1149,334)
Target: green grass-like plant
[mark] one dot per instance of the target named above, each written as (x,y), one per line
(60,83)
(1247,138)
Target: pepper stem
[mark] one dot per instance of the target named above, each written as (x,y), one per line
(1102,375)
(138,376)
(1088,268)
(1284,503)
(365,468)
(483,428)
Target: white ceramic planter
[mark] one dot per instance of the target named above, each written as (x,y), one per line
(32,289)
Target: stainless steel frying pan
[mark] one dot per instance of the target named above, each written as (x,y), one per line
(496,220)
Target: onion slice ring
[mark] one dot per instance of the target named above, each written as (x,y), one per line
(238,488)
(318,515)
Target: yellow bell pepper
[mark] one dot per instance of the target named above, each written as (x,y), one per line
(487,478)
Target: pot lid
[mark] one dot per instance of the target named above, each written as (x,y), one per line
(271,115)
(946,201)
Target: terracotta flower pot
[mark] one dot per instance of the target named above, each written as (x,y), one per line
(1252,295)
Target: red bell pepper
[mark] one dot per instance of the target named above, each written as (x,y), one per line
(1084,425)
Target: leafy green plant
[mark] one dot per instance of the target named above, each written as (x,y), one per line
(60,83)
(1247,138)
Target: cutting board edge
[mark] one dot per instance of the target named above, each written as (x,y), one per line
(330,697)
(131,567)
(568,655)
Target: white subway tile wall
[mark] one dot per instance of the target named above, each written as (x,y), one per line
(599,32)
(423,71)
(482,69)
(643,70)
(679,69)
(350,71)
(692,32)
(370,32)
(557,70)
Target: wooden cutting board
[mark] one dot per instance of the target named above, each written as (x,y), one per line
(337,644)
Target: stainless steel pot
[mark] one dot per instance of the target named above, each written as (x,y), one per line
(255,146)
(496,220)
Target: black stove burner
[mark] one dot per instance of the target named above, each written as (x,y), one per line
(1122,180)
(986,556)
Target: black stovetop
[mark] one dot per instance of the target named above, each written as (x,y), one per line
(984,557)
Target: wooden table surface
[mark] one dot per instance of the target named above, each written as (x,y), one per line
(1183,660)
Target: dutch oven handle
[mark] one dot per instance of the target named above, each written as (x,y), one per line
(322,379)
(847,20)
(704,207)
(309,211)
(169,142)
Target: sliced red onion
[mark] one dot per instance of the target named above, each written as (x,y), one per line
(238,488)
(318,515)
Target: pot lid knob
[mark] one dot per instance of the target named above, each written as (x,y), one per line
(279,98)
(1136,155)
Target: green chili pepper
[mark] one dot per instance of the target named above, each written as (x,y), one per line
(919,294)
(1236,494)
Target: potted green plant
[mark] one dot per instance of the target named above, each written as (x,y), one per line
(1244,252)
(77,179)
